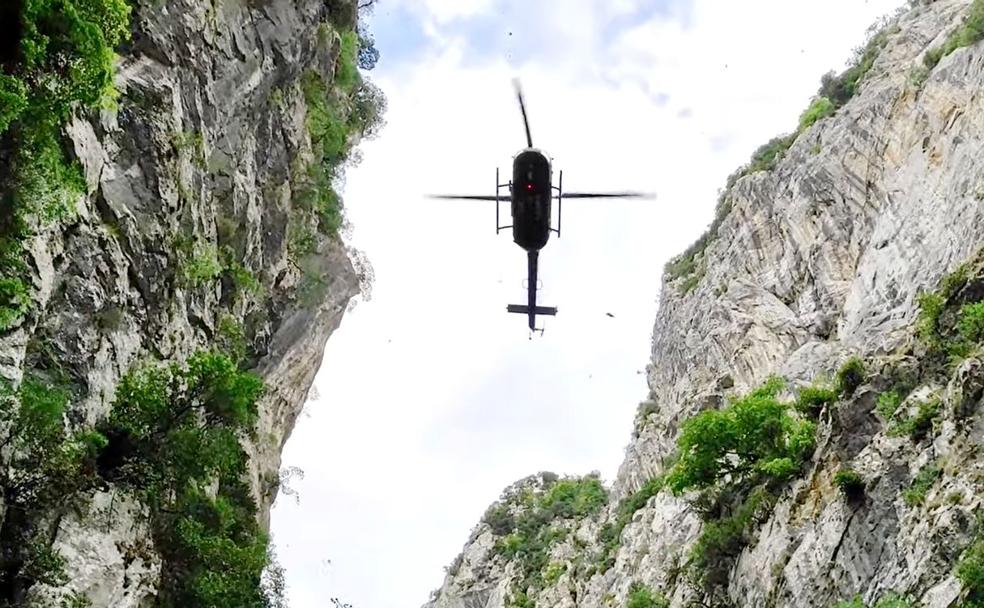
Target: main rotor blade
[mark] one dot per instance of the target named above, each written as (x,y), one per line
(606,195)
(522,107)
(468,197)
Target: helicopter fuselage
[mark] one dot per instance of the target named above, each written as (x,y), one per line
(531,195)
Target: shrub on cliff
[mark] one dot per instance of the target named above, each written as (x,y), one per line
(755,438)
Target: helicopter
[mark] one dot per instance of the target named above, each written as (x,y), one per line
(531,193)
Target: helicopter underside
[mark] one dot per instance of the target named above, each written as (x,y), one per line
(531,195)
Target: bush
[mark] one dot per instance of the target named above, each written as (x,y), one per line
(570,498)
(722,540)
(325,119)
(893,600)
(753,438)
(13,100)
(951,327)
(368,53)
(202,267)
(346,73)
(888,404)
(839,89)
(553,572)
(737,456)
(970,571)
(850,376)
(368,107)
(641,596)
(970,325)
(820,108)
(769,154)
(915,494)
(14,301)
(812,399)
(530,526)
(971,32)
(921,423)
(850,483)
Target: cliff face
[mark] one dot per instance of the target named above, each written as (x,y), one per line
(195,231)
(818,254)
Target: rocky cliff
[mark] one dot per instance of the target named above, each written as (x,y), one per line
(813,432)
(171,272)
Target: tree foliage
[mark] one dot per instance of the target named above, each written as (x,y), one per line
(755,437)
(174,432)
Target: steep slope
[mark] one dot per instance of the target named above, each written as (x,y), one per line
(171,271)
(843,477)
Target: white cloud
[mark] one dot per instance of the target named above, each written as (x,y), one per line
(431,397)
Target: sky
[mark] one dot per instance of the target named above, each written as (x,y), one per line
(431,398)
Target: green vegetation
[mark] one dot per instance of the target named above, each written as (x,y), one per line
(76,600)
(722,539)
(641,596)
(336,112)
(768,154)
(346,74)
(951,319)
(202,266)
(812,399)
(850,376)
(892,600)
(919,425)
(840,88)
(329,139)
(65,58)
(195,143)
(174,432)
(888,404)
(754,439)
(243,280)
(553,572)
(231,338)
(574,498)
(915,494)
(820,108)
(738,457)
(970,569)
(529,523)
(48,469)
(971,32)
(850,483)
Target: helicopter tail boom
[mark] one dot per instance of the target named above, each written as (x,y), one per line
(531,310)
